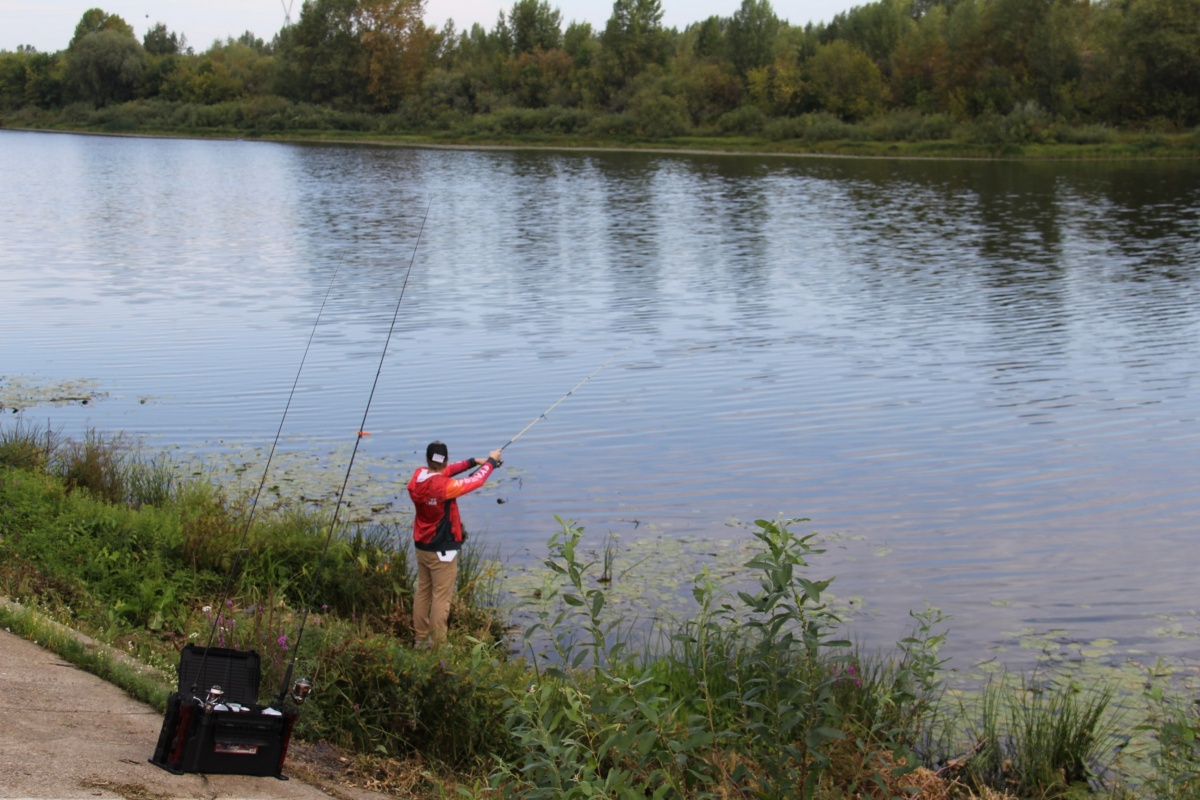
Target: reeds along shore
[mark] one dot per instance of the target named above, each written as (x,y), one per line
(757,694)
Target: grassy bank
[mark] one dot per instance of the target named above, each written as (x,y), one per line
(757,694)
(1024,133)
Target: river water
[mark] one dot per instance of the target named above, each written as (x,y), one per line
(979,381)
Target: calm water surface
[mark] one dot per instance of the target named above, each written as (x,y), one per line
(981,381)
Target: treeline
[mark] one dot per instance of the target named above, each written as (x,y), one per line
(375,64)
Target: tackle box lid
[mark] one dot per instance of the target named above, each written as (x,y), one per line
(237,672)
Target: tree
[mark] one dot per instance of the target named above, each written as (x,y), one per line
(96,20)
(845,81)
(165,76)
(1161,42)
(395,45)
(255,43)
(322,56)
(45,80)
(106,67)
(633,38)
(710,39)
(877,28)
(159,41)
(543,78)
(710,89)
(1055,59)
(959,84)
(751,34)
(212,83)
(12,80)
(581,44)
(918,62)
(533,25)
(778,89)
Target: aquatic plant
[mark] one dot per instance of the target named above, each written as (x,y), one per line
(1173,722)
(1038,738)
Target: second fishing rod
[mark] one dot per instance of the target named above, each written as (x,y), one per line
(301,689)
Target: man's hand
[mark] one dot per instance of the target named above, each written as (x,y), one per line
(495,456)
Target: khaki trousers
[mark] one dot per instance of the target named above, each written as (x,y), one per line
(435,589)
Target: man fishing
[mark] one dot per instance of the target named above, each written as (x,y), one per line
(438,533)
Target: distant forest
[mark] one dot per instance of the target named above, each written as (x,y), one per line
(374,65)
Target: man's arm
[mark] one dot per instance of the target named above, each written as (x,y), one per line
(460,486)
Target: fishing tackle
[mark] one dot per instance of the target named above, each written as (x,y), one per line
(298,690)
(542,416)
(266,470)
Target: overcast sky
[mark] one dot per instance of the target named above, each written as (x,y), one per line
(49,24)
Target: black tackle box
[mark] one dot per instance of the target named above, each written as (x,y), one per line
(198,735)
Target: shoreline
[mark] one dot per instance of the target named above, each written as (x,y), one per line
(954,152)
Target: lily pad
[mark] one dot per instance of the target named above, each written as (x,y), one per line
(19,393)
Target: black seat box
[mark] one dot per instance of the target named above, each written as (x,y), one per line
(197,738)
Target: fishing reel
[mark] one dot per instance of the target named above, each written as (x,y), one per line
(213,699)
(300,691)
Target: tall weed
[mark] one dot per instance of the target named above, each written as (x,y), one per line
(590,725)
(1039,740)
(97,464)
(151,481)
(26,446)
(759,699)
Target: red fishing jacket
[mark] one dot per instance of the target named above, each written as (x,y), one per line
(436,525)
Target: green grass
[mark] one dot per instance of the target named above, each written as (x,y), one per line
(144,683)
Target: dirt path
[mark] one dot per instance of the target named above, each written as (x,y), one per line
(65,733)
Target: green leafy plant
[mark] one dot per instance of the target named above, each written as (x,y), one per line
(760,698)
(1174,723)
(592,723)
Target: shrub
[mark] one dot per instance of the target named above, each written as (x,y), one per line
(1025,124)
(612,126)
(446,703)
(519,120)
(1084,134)
(570,120)
(822,127)
(660,117)
(910,126)
(778,130)
(744,121)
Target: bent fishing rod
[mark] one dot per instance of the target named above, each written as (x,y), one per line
(300,691)
(557,402)
(241,549)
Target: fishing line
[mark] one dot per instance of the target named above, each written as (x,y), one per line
(542,416)
(241,549)
(287,677)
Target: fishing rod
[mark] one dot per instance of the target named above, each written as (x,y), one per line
(300,690)
(241,549)
(542,416)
